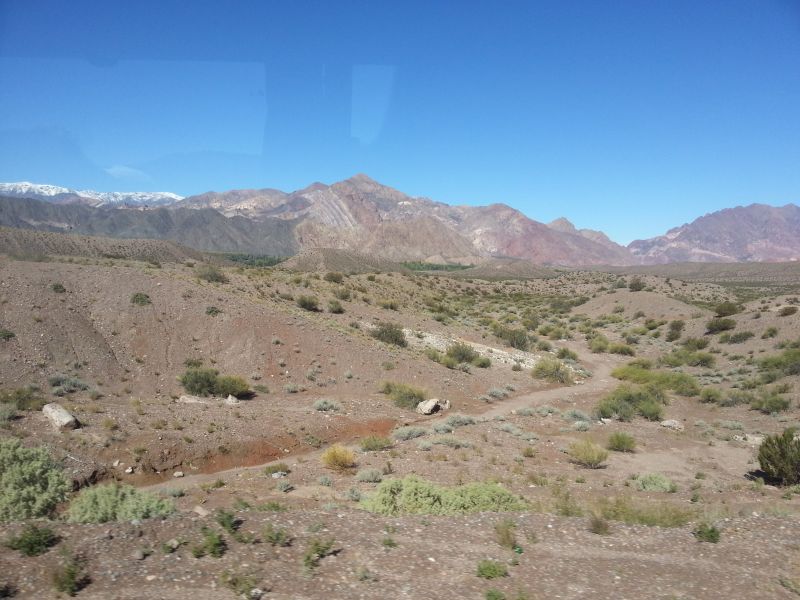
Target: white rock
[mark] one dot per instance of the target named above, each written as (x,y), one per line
(428,407)
(129,470)
(178,474)
(231,400)
(672,424)
(60,417)
(201,511)
(187,399)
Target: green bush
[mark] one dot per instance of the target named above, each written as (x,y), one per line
(413,495)
(717,325)
(621,442)
(25,398)
(552,370)
(210,273)
(461,352)
(369,476)
(140,299)
(680,383)
(587,454)
(33,540)
(779,457)
(403,396)
(598,344)
(231,385)
(726,309)
(491,569)
(71,577)
(58,288)
(636,284)
(622,349)
(374,443)
(212,544)
(204,381)
(316,551)
(115,502)
(200,381)
(711,395)
(334,277)
(626,401)
(655,482)
(566,354)
(787,311)
(660,515)
(31,483)
(6,335)
(516,338)
(309,303)
(335,307)
(408,433)
(390,333)
(769,402)
(707,533)
(675,330)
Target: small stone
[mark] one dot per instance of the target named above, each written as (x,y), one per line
(178,474)
(150,577)
(129,470)
(201,511)
(139,554)
(672,424)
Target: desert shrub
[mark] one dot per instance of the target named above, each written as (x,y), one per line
(210,273)
(212,544)
(403,396)
(587,454)
(658,515)
(231,385)
(459,420)
(239,583)
(335,307)
(33,540)
(200,381)
(369,476)
(505,535)
(739,337)
(334,277)
(710,395)
(7,413)
(675,330)
(655,482)
(31,483)
(374,443)
(491,569)
(694,344)
(140,299)
(115,502)
(779,457)
(621,442)
(71,576)
(58,288)
(636,284)
(598,344)
(461,352)
(769,332)
(718,325)
(342,293)
(316,551)
(707,533)
(622,349)
(781,365)
(6,334)
(408,433)
(338,458)
(276,536)
(726,309)
(681,383)
(553,370)
(324,405)
(227,520)
(390,333)
(310,303)
(566,354)
(769,402)
(683,356)
(787,311)
(626,401)
(516,338)
(413,495)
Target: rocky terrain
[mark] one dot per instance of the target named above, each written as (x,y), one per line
(280,489)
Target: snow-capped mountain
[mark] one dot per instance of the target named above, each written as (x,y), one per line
(62,195)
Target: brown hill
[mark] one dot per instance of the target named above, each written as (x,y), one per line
(754,233)
(27,242)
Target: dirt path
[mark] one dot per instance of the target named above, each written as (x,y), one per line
(600,383)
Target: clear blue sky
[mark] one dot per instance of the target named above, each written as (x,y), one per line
(626,116)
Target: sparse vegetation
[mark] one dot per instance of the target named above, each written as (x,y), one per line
(621,442)
(779,457)
(141,299)
(33,540)
(115,502)
(552,370)
(204,381)
(403,396)
(338,458)
(587,454)
(390,333)
(31,483)
(210,273)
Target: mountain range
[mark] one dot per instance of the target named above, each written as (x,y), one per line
(364,215)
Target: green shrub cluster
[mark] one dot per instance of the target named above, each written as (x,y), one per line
(203,381)
(621,442)
(552,370)
(33,540)
(779,457)
(26,398)
(390,333)
(719,324)
(627,401)
(637,372)
(140,299)
(516,338)
(210,273)
(413,495)
(403,396)
(309,303)
(115,502)
(31,483)
(684,356)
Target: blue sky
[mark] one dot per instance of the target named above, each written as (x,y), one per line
(630,117)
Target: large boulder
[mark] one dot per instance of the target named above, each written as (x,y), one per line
(60,417)
(428,407)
